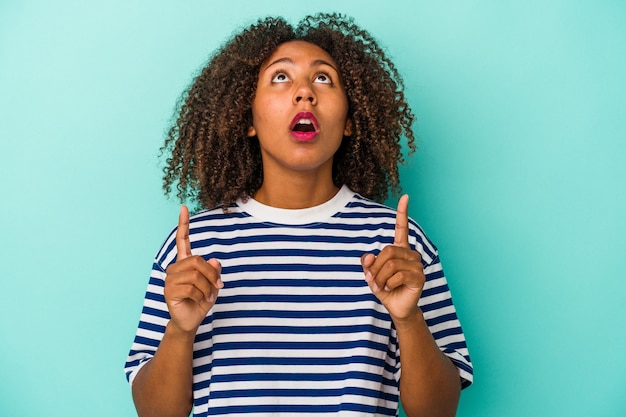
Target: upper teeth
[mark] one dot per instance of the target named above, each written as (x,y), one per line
(305,122)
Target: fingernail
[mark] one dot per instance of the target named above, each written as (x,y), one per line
(368,276)
(375,287)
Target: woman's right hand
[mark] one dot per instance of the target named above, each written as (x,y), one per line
(191,284)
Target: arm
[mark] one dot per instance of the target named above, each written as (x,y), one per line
(430,384)
(164,385)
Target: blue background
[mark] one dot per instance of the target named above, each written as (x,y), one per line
(520,180)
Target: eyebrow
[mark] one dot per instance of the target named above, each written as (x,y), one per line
(314,63)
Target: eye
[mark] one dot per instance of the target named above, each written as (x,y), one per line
(280,77)
(323,78)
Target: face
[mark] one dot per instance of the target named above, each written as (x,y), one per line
(299,111)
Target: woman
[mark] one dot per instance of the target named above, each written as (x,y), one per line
(292,292)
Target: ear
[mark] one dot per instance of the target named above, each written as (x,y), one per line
(347,131)
(251,132)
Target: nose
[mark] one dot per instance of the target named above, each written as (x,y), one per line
(304,92)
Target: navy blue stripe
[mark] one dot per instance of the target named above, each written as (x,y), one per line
(152,327)
(389,216)
(434,275)
(149,311)
(435,290)
(218,215)
(299,361)
(201,337)
(462,365)
(301,252)
(439,304)
(282,345)
(291,377)
(285,345)
(390,368)
(304,314)
(156,282)
(455,346)
(147,342)
(166,251)
(269,238)
(305,408)
(294,298)
(447,332)
(221,228)
(294,392)
(259,329)
(155,297)
(360,201)
(203,369)
(316,283)
(441,319)
(134,352)
(292,268)
(302,376)
(136,362)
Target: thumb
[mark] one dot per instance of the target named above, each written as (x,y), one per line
(367,260)
(218,267)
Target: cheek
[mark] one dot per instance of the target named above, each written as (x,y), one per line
(263,110)
(341,113)
(340,105)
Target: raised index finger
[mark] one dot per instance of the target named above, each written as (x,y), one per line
(183,245)
(401,236)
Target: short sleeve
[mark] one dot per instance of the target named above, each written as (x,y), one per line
(441,318)
(153,320)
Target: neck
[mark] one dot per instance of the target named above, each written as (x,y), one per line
(295,192)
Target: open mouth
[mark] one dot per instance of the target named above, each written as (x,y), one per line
(304,127)
(304,122)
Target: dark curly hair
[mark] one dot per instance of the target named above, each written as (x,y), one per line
(214,162)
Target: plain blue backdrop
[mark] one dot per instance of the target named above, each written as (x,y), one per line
(520,180)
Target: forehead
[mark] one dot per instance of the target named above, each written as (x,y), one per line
(299,51)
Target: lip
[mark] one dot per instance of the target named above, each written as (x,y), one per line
(304,136)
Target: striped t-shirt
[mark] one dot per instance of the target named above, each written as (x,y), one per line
(296,330)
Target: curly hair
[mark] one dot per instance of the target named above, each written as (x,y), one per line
(213,162)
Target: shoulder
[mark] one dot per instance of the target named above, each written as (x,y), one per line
(200,224)
(361,206)
(373,212)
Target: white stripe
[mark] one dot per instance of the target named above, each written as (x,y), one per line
(317,307)
(297,338)
(313,385)
(302,322)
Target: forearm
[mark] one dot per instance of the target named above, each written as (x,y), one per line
(429,384)
(163,386)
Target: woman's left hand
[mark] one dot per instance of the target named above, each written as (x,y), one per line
(396,275)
